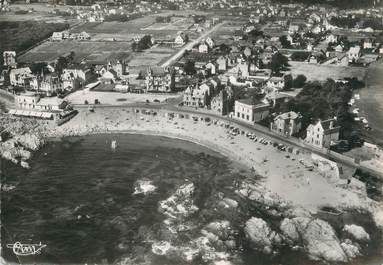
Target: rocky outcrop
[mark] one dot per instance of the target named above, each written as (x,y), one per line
(289,230)
(351,249)
(143,187)
(262,196)
(180,204)
(316,236)
(357,232)
(228,203)
(29,141)
(261,236)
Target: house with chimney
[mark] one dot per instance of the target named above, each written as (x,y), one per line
(181,39)
(121,68)
(9,59)
(251,111)
(287,123)
(197,96)
(220,103)
(22,77)
(50,84)
(159,79)
(222,64)
(76,76)
(322,134)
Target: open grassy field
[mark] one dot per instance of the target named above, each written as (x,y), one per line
(155,56)
(18,36)
(112,40)
(225,33)
(90,50)
(322,72)
(41,12)
(176,23)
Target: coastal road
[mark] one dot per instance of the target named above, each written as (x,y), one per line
(190,45)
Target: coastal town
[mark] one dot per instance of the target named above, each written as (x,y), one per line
(289,90)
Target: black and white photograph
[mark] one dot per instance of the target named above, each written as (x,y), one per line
(191,132)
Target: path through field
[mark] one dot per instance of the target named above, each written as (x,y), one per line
(190,45)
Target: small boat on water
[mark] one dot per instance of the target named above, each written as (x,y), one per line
(114,144)
(357,96)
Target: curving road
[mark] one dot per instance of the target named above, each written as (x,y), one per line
(190,45)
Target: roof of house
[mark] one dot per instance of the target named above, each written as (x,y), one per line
(291,115)
(355,49)
(22,70)
(258,105)
(158,71)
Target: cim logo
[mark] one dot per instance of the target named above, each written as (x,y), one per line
(26,249)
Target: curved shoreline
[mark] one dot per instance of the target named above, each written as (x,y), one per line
(292,176)
(209,145)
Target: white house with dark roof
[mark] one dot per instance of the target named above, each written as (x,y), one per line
(322,133)
(249,111)
(203,48)
(354,54)
(276,82)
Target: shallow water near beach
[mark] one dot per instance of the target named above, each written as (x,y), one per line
(78,198)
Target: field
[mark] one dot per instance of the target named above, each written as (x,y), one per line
(225,33)
(18,36)
(91,50)
(125,31)
(42,12)
(154,56)
(322,72)
(113,40)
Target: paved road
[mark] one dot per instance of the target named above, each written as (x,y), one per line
(190,45)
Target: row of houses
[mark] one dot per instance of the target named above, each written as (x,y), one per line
(66,35)
(321,134)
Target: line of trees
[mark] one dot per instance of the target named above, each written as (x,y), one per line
(144,43)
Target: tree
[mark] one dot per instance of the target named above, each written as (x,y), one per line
(285,43)
(300,56)
(144,43)
(189,67)
(278,62)
(224,48)
(62,63)
(288,81)
(255,33)
(37,68)
(299,81)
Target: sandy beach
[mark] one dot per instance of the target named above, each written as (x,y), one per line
(288,175)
